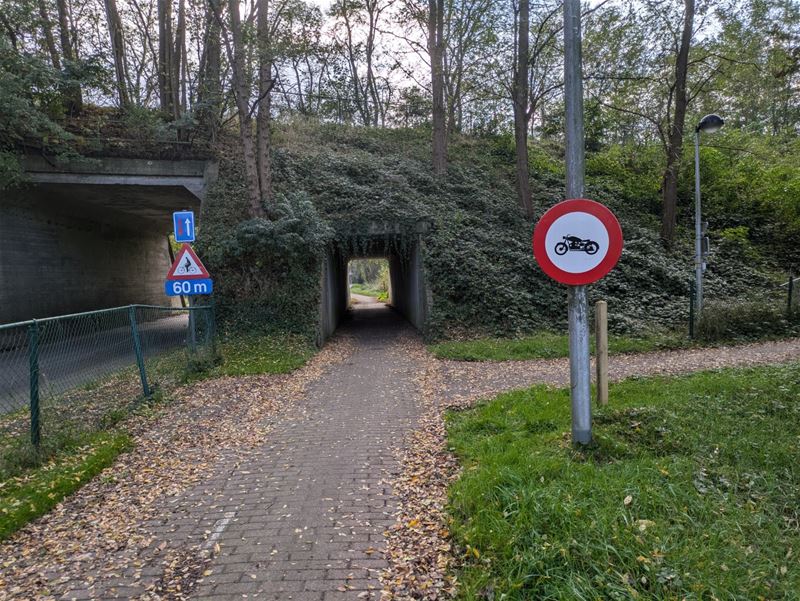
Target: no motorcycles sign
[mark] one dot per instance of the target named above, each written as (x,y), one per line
(577,242)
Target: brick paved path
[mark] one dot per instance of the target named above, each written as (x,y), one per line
(303,519)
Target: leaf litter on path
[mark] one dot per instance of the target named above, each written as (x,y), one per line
(96,544)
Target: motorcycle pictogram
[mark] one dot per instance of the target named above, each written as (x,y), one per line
(590,247)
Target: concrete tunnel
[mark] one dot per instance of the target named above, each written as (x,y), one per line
(409,292)
(92,234)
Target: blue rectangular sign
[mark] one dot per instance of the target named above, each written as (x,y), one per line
(188,287)
(183,224)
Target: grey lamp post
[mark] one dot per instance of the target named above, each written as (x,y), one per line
(708,124)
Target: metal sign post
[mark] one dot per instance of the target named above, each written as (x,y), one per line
(578,241)
(579,370)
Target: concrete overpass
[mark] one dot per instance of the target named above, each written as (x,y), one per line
(409,294)
(92,233)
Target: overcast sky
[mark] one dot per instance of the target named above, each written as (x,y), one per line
(325,4)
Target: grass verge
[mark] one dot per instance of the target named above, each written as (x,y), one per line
(546,345)
(258,354)
(30,495)
(690,491)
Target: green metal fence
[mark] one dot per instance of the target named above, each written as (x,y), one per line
(64,375)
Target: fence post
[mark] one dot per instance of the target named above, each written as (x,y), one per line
(691,309)
(213,318)
(601,350)
(137,347)
(33,363)
(789,301)
(192,326)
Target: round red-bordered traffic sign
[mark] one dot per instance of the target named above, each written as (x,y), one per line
(577,241)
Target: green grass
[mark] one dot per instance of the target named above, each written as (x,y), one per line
(545,345)
(26,497)
(381,295)
(690,491)
(262,354)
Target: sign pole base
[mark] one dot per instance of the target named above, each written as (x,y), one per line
(579,370)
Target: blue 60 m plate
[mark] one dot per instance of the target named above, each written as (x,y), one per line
(188,287)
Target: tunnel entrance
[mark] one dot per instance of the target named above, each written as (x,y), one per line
(401,254)
(87,235)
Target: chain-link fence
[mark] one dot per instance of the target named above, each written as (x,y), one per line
(62,376)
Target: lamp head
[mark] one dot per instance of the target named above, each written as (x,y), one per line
(710,124)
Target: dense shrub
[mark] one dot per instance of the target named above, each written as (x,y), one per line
(266,272)
(744,320)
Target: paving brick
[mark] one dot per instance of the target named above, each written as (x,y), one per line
(301,512)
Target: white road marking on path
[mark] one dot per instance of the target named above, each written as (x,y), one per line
(219,528)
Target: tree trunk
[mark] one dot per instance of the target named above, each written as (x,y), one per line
(436,50)
(675,141)
(165,48)
(13,37)
(372,86)
(47,30)
(241,93)
(73,98)
(178,52)
(520,101)
(209,89)
(265,84)
(118,51)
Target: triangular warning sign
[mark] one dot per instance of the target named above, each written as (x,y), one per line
(187,266)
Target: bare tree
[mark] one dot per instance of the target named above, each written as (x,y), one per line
(265,85)
(237,57)
(436,51)
(118,52)
(519,94)
(73,97)
(178,66)
(166,92)
(209,86)
(675,138)
(360,51)
(469,34)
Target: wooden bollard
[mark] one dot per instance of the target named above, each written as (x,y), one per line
(601,350)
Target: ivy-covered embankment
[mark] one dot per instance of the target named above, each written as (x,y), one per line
(331,182)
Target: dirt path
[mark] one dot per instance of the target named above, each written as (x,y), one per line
(468,381)
(362,299)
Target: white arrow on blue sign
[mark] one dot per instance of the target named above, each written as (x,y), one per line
(183,224)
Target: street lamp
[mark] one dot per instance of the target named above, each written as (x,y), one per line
(708,124)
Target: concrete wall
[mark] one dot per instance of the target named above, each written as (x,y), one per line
(54,261)
(334,297)
(409,292)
